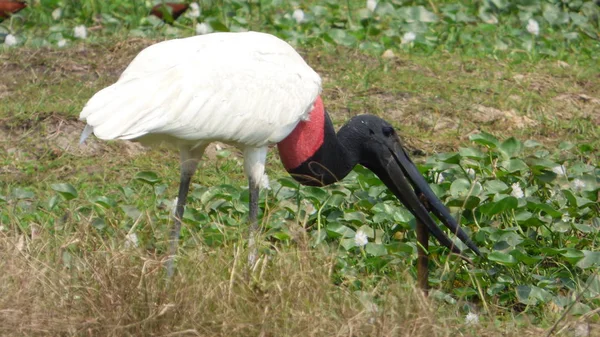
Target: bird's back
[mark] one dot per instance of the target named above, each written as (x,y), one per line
(248,88)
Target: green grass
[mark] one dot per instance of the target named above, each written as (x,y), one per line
(66,211)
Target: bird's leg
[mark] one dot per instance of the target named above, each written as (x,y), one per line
(423,258)
(254,167)
(189,163)
(253,221)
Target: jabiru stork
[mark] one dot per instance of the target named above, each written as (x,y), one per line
(253,90)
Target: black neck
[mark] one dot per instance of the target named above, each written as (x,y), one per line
(336,157)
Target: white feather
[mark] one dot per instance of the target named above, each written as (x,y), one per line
(249,89)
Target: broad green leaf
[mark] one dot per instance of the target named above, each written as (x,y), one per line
(147,177)
(471,153)
(338,230)
(485,139)
(418,14)
(67,191)
(341,37)
(532,295)
(572,255)
(347,243)
(495,186)
(460,188)
(218,26)
(502,258)
(496,207)
(514,165)
(357,217)
(375,249)
(526,258)
(131,211)
(511,147)
(590,259)
(54,200)
(543,207)
(104,201)
(21,193)
(554,15)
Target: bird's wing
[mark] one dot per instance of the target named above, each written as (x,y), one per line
(248,88)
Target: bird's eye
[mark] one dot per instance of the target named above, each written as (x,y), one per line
(387,131)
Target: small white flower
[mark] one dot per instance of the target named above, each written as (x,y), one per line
(195,10)
(2,228)
(408,37)
(57,14)
(388,54)
(560,170)
(439,178)
(565,218)
(264,182)
(470,173)
(203,28)
(517,192)
(80,32)
(533,27)
(298,15)
(61,43)
(361,238)
(10,40)
(371,5)
(131,240)
(472,319)
(578,184)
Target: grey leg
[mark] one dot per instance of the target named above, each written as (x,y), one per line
(189,163)
(253,221)
(254,167)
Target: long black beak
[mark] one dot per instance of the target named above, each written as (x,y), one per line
(398,169)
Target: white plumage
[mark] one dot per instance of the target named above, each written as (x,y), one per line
(246,89)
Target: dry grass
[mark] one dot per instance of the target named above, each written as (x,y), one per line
(85,285)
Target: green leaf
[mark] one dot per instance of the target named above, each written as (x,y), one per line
(218,26)
(131,211)
(493,208)
(469,152)
(338,230)
(485,139)
(347,243)
(511,147)
(148,177)
(104,201)
(358,217)
(532,295)
(543,207)
(418,14)
(375,249)
(573,255)
(21,193)
(341,37)
(460,188)
(503,258)
(525,258)
(590,259)
(495,186)
(67,191)
(514,165)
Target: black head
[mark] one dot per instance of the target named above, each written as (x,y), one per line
(378,147)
